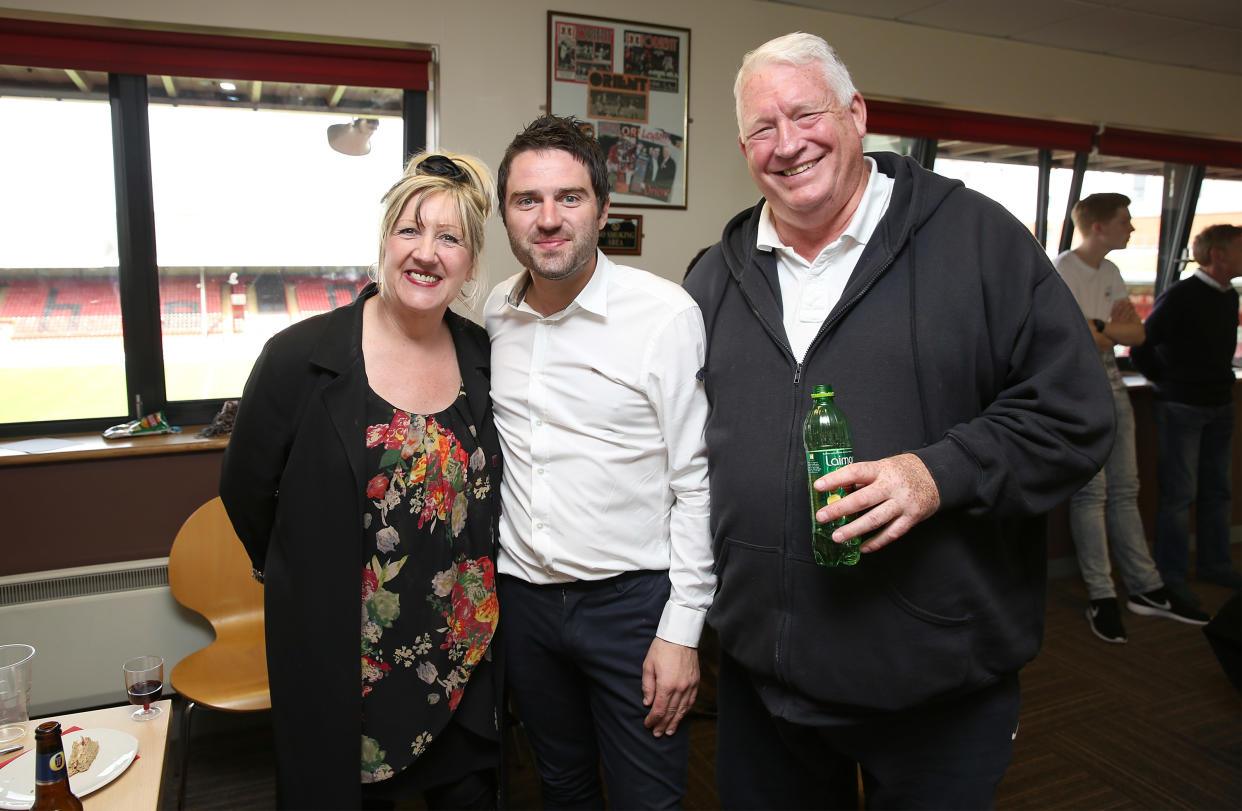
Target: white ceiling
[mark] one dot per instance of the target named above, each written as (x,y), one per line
(1205,34)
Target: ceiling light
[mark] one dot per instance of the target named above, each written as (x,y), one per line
(353,138)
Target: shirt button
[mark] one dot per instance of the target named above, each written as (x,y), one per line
(539,525)
(539,471)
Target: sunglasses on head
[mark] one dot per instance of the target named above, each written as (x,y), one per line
(444,167)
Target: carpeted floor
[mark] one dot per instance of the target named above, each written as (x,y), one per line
(1153,723)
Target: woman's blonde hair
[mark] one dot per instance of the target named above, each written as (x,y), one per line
(464,178)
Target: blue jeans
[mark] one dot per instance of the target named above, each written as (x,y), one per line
(1195,444)
(1104,513)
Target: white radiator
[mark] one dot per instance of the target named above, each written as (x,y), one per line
(84,622)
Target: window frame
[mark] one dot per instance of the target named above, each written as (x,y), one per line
(1185,158)
(129,56)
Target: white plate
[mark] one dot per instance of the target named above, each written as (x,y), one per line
(116,751)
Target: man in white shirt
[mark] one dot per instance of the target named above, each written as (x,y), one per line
(1104,513)
(605,561)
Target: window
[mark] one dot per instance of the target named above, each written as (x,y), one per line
(1006,158)
(889,143)
(1137,261)
(235,268)
(1009,175)
(230,181)
(61,355)
(1220,202)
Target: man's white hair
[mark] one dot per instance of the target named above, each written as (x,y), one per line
(798,48)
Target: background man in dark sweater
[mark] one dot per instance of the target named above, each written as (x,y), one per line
(1191,337)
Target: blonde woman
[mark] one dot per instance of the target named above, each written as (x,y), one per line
(362,476)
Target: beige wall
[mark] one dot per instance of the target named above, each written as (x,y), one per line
(492,79)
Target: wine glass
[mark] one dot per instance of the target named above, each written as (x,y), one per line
(144,683)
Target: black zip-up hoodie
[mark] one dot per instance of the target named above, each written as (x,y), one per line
(954,339)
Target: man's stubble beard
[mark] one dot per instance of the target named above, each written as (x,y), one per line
(555,270)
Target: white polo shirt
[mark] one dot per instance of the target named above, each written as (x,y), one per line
(809,290)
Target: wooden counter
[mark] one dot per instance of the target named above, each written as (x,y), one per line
(84,447)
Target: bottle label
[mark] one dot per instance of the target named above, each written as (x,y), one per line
(826,551)
(822,462)
(50,768)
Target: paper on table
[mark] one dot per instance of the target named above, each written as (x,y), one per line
(39,444)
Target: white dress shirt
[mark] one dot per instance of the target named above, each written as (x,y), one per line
(809,290)
(601,420)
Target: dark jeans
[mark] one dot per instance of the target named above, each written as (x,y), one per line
(575,657)
(950,755)
(1195,444)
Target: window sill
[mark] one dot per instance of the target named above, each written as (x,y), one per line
(89,446)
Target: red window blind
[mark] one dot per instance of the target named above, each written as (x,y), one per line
(1170,148)
(121,50)
(916,121)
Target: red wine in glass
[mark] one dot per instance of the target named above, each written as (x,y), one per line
(145,693)
(144,684)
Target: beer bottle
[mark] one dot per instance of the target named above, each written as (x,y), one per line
(52,772)
(826,437)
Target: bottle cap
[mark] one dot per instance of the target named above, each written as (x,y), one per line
(822,390)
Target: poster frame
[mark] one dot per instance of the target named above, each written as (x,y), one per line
(629,82)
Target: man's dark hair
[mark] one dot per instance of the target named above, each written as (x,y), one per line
(1214,236)
(565,134)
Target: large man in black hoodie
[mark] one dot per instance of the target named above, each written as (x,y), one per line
(976,403)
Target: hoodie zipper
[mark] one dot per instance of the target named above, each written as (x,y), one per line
(799,367)
(795,444)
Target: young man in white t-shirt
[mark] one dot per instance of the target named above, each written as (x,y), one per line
(1105,511)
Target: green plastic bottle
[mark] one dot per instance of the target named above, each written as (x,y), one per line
(826,437)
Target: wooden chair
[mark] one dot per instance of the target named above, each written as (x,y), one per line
(209,573)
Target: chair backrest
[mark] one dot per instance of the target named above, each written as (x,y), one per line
(209,570)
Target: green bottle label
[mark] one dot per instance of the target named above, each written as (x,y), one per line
(822,462)
(826,551)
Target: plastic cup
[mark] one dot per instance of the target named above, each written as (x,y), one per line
(14,691)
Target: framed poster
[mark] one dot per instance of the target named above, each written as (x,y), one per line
(630,82)
(622,234)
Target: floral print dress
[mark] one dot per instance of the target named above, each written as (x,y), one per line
(428,581)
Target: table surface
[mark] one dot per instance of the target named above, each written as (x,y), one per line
(138,787)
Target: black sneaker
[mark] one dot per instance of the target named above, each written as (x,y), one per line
(1182,592)
(1164,602)
(1105,620)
